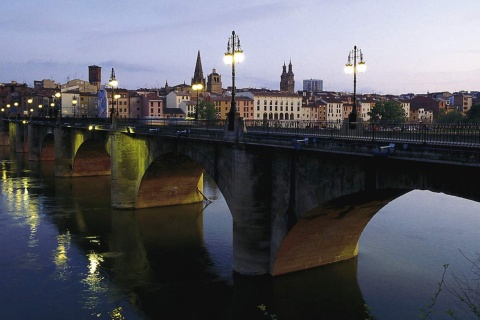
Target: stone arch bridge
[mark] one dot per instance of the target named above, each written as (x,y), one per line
(293,208)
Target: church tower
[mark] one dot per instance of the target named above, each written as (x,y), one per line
(95,75)
(287,79)
(214,82)
(198,74)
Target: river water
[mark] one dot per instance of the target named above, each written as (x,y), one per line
(66,254)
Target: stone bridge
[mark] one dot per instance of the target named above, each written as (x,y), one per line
(292,208)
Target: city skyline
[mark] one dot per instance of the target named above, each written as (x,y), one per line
(408,47)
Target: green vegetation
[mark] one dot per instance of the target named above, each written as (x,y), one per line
(206,111)
(387,112)
(451,117)
(473,115)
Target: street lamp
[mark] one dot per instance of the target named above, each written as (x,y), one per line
(352,68)
(74,104)
(29,101)
(197,87)
(233,55)
(52,106)
(116,97)
(40,110)
(57,104)
(113,83)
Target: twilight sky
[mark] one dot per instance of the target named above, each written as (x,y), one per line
(414,46)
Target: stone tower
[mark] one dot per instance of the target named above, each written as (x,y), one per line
(287,79)
(214,82)
(198,74)
(95,76)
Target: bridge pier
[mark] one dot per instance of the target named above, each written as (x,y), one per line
(143,177)
(18,133)
(40,147)
(250,207)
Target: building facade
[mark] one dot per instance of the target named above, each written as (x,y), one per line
(313,85)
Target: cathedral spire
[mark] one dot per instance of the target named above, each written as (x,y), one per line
(198,74)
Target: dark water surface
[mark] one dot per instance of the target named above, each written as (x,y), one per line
(66,254)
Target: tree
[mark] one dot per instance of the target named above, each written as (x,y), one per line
(387,111)
(450,117)
(473,115)
(206,110)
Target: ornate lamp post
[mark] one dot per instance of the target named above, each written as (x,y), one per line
(197,87)
(113,83)
(233,55)
(352,68)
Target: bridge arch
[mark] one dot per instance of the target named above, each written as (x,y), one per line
(315,234)
(47,152)
(91,159)
(171,179)
(330,232)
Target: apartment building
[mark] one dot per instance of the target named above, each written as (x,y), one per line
(274,105)
(222,103)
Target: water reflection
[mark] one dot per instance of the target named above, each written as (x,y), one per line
(65,249)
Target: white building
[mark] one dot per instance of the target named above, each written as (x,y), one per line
(177,99)
(275,105)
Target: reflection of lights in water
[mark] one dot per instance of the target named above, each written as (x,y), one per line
(60,255)
(94,280)
(117,313)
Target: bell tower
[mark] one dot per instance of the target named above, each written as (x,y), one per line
(287,79)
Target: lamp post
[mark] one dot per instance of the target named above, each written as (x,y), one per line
(74,104)
(352,68)
(113,83)
(116,97)
(58,104)
(40,110)
(197,87)
(51,110)
(233,55)
(29,109)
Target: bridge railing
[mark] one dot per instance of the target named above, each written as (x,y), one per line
(174,127)
(285,131)
(467,135)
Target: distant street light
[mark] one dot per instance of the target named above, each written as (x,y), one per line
(113,83)
(233,55)
(29,101)
(58,104)
(74,104)
(349,69)
(116,97)
(197,87)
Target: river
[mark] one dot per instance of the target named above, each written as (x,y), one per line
(66,254)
